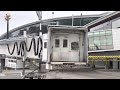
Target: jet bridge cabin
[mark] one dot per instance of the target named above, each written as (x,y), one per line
(67,44)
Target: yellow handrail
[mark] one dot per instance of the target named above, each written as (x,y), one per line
(103,57)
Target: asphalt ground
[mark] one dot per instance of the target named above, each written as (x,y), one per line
(80,73)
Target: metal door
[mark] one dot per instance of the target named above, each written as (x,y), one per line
(62,49)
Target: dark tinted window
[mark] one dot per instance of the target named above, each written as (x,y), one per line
(57,42)
(74,46)
(34,30)
(45,44)
(65,43)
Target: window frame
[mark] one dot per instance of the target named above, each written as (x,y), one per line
(56,43)
(65,43)
(45,44)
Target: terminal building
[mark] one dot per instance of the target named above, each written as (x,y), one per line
(34,27)
(103,36)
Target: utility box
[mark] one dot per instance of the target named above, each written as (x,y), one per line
(67,44)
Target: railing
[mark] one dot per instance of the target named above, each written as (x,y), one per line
(105,59)
(108,58)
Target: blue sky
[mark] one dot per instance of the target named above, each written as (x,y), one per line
(19,18)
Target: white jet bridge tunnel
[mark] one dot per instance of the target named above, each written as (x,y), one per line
(26,48)
(64,44)
(67,45)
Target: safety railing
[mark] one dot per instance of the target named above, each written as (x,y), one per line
(105,59)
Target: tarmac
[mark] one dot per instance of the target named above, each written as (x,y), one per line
(82,73)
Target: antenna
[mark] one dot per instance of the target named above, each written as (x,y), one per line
(39,14)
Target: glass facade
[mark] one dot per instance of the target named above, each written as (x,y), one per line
(76,21)
(104,26)
(100,40)
(35,29)
(16,33)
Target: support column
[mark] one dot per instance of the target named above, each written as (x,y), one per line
(86,46)
(24,57)
(23,73)
(40,62)
(40,59)
(39,68)
(118,64)
(48,66)
(40,33)
(0,66)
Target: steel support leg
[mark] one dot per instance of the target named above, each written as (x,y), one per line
(118,64)
(39,68)
(0,66)
(23,73)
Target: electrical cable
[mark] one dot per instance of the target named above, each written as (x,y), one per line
(23,47)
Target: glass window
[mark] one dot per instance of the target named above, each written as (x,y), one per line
(16,33)
(109,40)
(109,32)
(97,41)
(96,33)
(90,34)
(92,48)
(33,30)
(103,40)
(57,42)
(74,46)
(103,47)
(97,47)
(91,42)
(109,46)
(102,33)
(65,43)
(45,44)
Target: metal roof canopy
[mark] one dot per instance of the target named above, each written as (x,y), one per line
(103,19)
(58,27)
(49,21)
